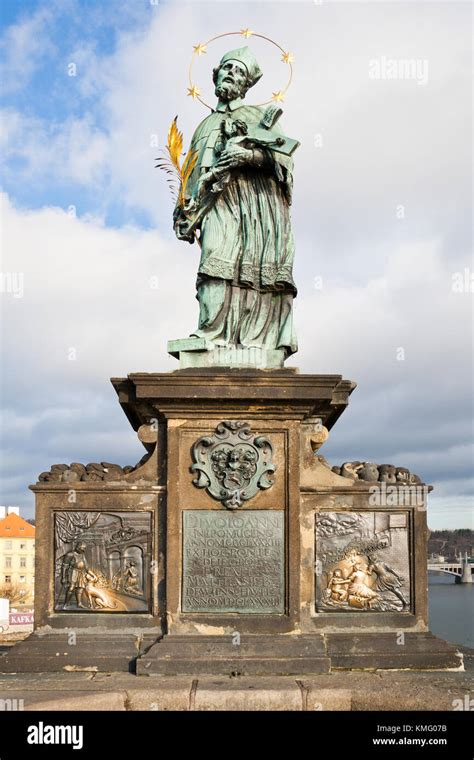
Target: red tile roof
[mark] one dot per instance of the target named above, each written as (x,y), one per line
(13,526)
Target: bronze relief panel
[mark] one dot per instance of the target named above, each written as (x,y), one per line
(362,561)
(102,561)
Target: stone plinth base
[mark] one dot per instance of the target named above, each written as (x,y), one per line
(225,655)
(298,655)
(392,651)
(70,650)
(200,353)
(234,538)
(256,655)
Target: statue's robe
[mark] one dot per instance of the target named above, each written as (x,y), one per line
(245,284)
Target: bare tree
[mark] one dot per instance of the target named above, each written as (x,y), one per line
(14,593)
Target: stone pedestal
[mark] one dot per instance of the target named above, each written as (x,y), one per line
(198,353)
(234,547)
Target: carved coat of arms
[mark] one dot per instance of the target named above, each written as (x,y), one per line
(233,463)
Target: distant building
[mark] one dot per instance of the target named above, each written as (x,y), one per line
(17,558)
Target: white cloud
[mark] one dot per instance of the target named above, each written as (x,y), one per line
(23,47)
(90,288)
(10,124)
(74,150)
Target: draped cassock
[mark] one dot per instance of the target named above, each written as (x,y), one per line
(245,284)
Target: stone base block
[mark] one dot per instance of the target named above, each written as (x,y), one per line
(388,651)
(200,353)
(254,655)
(60,651)
(257,655)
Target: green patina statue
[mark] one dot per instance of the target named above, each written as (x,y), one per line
(237,205)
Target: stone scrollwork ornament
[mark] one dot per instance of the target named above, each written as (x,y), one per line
(233,464)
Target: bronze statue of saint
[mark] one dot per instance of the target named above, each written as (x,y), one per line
(237,202)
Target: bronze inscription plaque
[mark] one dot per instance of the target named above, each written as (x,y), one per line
(234,562)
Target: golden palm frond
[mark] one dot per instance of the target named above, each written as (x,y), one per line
(178,175)
(175,143)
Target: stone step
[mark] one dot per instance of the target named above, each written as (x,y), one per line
(51,652)
(414,650)
(255,655)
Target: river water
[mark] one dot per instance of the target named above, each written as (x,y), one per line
(451,609)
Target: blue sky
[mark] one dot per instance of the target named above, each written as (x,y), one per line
(381,214)
(46,91)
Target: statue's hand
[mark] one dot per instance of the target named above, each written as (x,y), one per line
(234,156)
(181,225)
(183,232)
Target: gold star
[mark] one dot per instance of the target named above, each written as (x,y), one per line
(278,96)
(194,91)
(199,49)
(288,57)
(246,33)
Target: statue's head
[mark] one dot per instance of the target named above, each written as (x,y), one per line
(80,547)
(238,70)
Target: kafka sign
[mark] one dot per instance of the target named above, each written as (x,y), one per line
(22,618)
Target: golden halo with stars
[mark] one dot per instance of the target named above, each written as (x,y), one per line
(194,91)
